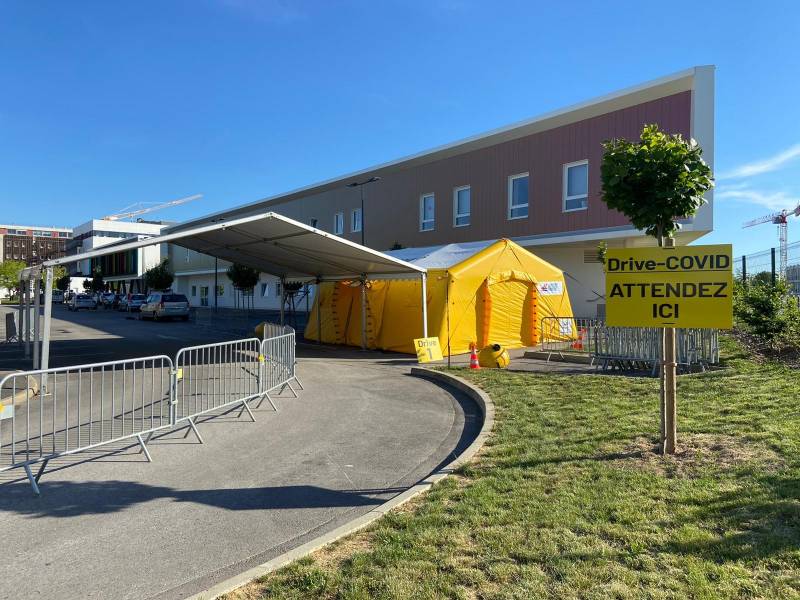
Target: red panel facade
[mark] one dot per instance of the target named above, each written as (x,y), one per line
(392,204)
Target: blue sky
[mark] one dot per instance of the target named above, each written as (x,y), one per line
(105,104)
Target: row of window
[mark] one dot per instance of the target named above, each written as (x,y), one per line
(575,197)
(338,222)
(265,287)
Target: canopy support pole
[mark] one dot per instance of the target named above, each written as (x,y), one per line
(37,322)
(27,329)
(363,313)
(282,296)
(48,314)
(21,316)
(424,278)
(318,300)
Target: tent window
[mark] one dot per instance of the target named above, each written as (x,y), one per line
(427,218)
(461,206)
(518,196)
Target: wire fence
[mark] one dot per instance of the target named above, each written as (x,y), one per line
(765,266)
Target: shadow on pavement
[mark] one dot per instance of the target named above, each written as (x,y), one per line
(77,498)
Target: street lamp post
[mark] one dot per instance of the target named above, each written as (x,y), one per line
(360,185)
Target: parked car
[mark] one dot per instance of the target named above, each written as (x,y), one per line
(165,305)
(109,299)
(58,297)
(79,301)
(131,302)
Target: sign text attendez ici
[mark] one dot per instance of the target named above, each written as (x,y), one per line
(687,286)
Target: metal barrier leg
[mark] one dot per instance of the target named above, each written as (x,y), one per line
(143,448)
(289,385)
(299,383)
(40,472)
(196,432)
(247,408)
(32,480)
(268,397)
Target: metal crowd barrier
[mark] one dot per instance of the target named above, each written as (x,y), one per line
(214,376)
(640,347)
(55,412)
(49,413)
(568,334)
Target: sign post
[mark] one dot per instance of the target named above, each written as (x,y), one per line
(669,287)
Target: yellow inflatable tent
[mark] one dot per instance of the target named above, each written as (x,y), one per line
(495,292)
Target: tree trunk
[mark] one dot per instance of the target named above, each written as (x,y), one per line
(669,406)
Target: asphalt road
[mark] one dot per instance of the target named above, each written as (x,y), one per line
(111,525)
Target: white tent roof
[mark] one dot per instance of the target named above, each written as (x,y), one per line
(272,244)
(440,257)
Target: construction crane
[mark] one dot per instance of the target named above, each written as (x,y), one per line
(781,219)
(129,214)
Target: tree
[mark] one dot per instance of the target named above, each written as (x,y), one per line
(9,274)
(87,285)
(242,277)
(97,283)
(654,183)
(62,283)
(159,277)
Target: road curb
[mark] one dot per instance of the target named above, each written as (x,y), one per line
(487,409)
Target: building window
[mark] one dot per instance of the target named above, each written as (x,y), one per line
(427,215)
(461,206)
(220,290)
(338,223)
(203,295)
(264,290)
(576,186)
(355,220)
(312,221)
(518,196)
(194,291)
(277,289)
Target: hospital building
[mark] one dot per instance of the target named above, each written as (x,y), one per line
(536,183)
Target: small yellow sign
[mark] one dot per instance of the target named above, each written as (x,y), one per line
(261,358)
(428,349)
(688,286)
(6,411)
(179,373)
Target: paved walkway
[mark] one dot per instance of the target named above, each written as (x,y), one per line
(110,525)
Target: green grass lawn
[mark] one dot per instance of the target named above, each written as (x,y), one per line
(567,500)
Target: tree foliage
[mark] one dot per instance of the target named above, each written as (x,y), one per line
(9,273)
(62,283)
(159,277)
(656,181)
(768,311)
(244,278)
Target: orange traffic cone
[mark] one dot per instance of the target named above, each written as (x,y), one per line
(473,357)
(578,343)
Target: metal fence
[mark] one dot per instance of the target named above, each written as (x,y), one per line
(640,347)
(49,413)
(56,412)
(765,265)
(625,347)
(568,334)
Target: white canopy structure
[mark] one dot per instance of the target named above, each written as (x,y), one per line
(269,242)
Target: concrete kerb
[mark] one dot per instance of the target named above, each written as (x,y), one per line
(487,408)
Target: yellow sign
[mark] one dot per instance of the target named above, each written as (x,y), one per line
(688,286)
(428,349)
(6,411)
(179,373)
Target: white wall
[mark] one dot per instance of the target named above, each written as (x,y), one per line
(271,301)
(583,279)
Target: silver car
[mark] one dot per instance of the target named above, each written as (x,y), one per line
(79,301)
(165,305)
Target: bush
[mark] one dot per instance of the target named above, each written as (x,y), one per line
(159,277)
(768,312)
